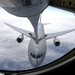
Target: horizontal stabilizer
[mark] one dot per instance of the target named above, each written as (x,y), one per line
(46,23)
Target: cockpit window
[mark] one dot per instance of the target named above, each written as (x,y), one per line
(36,57)
(39,56)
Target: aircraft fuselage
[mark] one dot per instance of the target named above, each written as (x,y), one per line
(37,52)
(24,8)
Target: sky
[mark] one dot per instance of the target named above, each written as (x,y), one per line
(14,56)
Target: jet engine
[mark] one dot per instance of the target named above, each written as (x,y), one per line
(56,42)
(20,38)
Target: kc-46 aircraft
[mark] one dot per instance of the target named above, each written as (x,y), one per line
(32,9)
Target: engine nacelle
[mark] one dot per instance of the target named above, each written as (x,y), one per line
(20,38)
(56,42)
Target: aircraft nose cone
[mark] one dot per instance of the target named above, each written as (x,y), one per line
(36,63)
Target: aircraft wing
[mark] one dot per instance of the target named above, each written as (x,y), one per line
(24,32)
(53,35)
(68,5)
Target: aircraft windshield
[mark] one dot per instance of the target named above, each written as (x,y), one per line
(36,57)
